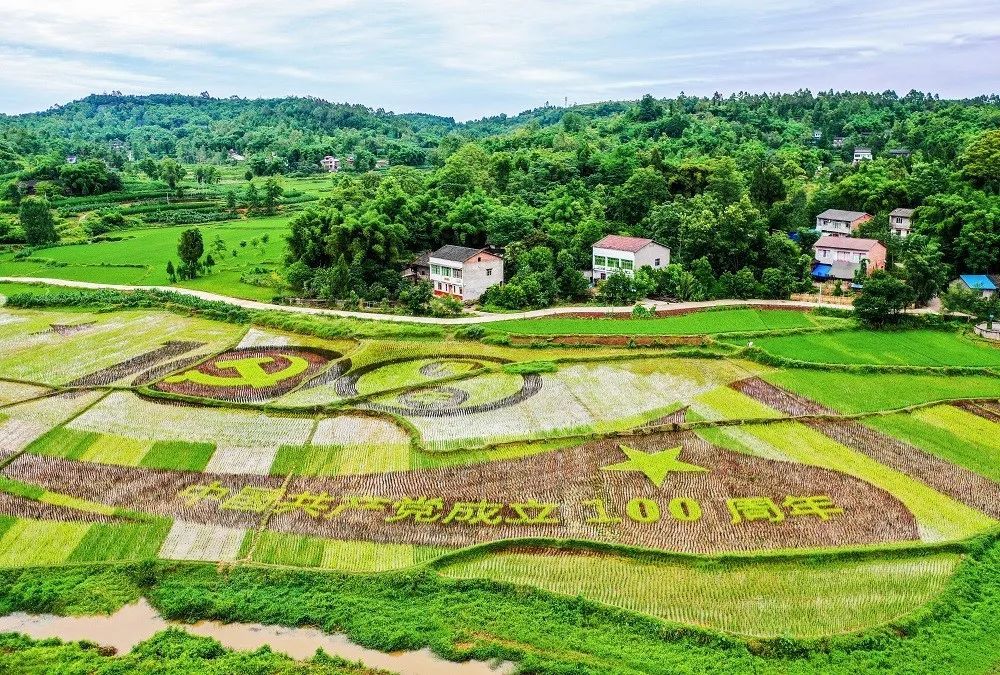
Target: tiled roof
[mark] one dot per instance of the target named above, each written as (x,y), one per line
(838,214)
(905,213)
(847,243)
(455,253)
(616,242)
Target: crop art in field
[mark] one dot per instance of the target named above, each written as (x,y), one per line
(669,491)
(479,393)
(250,374)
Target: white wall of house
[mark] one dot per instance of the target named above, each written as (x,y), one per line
(900,225)
(466,281)
(607,261)
(840,228)
(652,255)
(446,277)
(829,255)
(480,272)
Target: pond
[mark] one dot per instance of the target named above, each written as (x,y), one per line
(138,622)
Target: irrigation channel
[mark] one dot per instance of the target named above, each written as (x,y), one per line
(138,622)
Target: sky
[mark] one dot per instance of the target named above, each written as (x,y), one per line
(471,58)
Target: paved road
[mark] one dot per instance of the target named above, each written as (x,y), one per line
(481,317)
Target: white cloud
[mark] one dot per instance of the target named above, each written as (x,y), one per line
(474,57)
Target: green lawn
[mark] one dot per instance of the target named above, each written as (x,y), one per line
(153,247)
(911,347)
(697,323)
(871,392)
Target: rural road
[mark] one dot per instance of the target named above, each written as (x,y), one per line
(481,317)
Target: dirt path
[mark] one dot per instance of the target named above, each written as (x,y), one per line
(481,317)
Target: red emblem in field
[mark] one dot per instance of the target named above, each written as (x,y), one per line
(249,375)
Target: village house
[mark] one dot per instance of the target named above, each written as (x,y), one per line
(861,154)
(899,152)
(840,223)
(616,253)
(838,141)
(235,156)
(464,273)
(71,159)
(842,257)
(330,163)
(984,284)
(382,164)
(419,269)
(901,222)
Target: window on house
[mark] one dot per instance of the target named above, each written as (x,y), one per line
(600,261)
(489,271)
(614,262)
(626,264)
(656,263)
(457,274)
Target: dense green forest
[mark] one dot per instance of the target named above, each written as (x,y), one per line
(731,184)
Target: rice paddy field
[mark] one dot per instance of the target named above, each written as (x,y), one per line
(139,257)
(696,323)
(690,492)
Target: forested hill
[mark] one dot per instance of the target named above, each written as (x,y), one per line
(721,180)
(202,129)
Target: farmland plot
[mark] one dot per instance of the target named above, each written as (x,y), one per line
(191,541)
(945,477)
(25,422)
(13,392)
(939,517)
(910,348)
(55,355)
(763,599)
(584,398)
(128,415)
(951,434)
(277,548)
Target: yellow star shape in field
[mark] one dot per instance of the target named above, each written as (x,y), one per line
(656,465)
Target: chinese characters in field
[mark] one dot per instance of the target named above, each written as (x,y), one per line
(427,510)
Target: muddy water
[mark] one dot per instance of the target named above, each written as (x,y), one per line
(138,622)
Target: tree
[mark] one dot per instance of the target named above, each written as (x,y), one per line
(981,160)
(149,167)
(272,192)
(619,289)
(572,284)
(925,270)
(298,275)
(171,272)
(649,109)
(883,300)
(416,298)
(190,248)
(171,172)
(252,198)
(37,222)
(776,283)
(231,200)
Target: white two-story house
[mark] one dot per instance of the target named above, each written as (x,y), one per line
(901,222)
(838,223)
(464,273)
(616,253)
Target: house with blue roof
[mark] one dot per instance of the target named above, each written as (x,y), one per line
(984,284)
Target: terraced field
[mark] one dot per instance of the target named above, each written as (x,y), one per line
(696,489)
